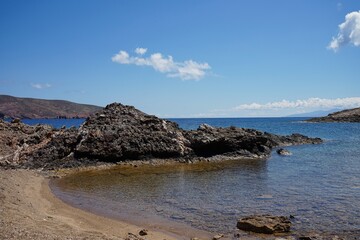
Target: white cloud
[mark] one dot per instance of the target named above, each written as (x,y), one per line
(122,57)
(161,64)
(349,32)
(40,85)
(310,103)
(187,70)
(141,51)
(285,107)
(191,70)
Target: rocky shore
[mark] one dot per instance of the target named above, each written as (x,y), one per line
(349,115)
(122,133)
(115,134)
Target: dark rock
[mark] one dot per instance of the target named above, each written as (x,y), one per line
(57,153)
(283,152)
(297,139)
(16,120)
(121,132)
(132,236)
(208,141)
(143,232)
(305,238)
(265,224)
(348,115)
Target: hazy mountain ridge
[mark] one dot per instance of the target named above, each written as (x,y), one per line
(348,115)
(15,107)
(320,113)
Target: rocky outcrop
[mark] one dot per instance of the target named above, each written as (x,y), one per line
(119,133)
(283,152)
(17,139)
(208,141)
(349,115)
(265,224)
(58,152)
(39,147)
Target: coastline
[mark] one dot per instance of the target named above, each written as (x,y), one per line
(29,210)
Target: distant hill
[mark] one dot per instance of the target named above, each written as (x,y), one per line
(14,107)
(314,114)
(349,115)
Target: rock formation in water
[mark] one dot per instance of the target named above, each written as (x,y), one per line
(208,141)
(283,152)
(265,224)
(120,133)
(349,115)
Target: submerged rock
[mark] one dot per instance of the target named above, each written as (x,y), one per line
(283,152)
(265,224)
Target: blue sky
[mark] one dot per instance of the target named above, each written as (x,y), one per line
(199,58)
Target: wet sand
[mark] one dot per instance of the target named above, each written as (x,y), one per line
(29,210)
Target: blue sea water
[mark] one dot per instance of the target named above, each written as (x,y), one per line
(56,123)
(318,184)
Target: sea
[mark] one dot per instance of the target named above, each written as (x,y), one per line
(318,185)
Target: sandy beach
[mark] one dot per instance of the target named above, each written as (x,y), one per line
(29,210)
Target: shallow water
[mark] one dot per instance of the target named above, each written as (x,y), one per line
(318,184)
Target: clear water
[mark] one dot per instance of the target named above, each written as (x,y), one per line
(318,184)
(56,123)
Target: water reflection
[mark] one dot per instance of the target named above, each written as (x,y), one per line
(191,193)
(318,184)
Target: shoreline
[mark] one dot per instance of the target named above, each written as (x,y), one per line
(237,234)
(29,210)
